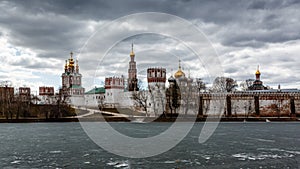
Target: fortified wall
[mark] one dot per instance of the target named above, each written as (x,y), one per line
(252,103)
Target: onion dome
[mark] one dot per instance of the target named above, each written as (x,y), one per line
(171,79)
(179,72)
(257,71)
(71,61)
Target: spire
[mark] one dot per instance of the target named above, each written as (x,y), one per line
(179,65)
(179,73)
(132,53)
(257,71)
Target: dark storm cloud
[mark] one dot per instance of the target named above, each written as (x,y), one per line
(61,25)
(43,32)
(53,28)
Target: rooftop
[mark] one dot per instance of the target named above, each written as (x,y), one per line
(96,90)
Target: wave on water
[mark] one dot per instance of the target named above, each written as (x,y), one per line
(265,140)
(170,162)
(119,164)
(281,150)
(273,153)
(55,152)
(15,162)
(262,140)
(250,156)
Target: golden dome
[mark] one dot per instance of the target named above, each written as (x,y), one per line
(257,71)
(132,53)
(71,61)
(179,74)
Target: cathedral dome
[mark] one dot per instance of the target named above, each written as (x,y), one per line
(132,53)
(171,79)
(179,74)
(257,72)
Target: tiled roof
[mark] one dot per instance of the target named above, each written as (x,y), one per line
(96,90)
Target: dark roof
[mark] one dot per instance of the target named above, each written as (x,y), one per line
(276,91)
(96,90)
(76,87)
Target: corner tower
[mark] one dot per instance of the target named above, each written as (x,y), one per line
(156,78)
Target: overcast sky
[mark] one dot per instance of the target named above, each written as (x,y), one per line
(36,38)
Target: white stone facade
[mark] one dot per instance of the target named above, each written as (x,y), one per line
(156,83)
(114,90)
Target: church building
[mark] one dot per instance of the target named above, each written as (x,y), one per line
(71,82)
(257,84)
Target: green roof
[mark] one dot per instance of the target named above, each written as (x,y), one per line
(96,90)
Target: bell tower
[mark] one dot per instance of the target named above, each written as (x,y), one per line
(132,73)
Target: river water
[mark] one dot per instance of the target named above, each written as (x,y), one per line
(233,145)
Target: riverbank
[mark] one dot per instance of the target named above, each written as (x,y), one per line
(152,119)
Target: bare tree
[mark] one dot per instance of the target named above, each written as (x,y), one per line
(101,103)
(224,84)
(140,99)
(6,98)
(61,102)
(173,97)
(246,84)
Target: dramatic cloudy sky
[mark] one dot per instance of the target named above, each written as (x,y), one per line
(36,38)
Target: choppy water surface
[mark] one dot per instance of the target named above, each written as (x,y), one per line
(233,145)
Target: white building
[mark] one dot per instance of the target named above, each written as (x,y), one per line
(95,98)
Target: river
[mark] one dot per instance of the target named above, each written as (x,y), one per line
(233,145)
